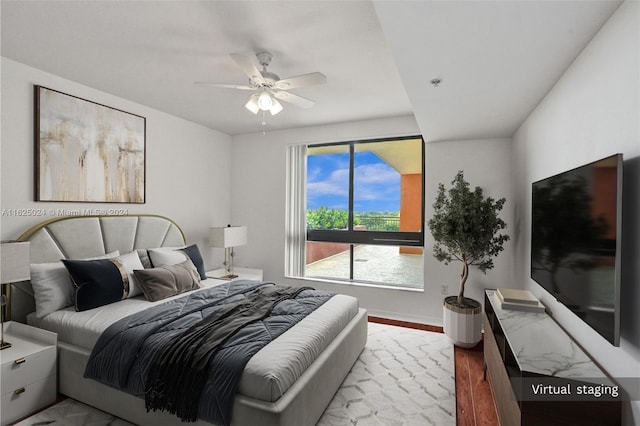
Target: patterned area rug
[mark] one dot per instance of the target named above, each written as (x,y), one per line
(403,377)
(72,413)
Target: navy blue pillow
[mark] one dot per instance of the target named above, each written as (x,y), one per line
(97,282)
(194,254)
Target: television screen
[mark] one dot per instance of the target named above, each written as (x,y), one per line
(576,239)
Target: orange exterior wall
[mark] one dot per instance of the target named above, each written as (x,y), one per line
(604,204)
(411,208)
(604,201)
(317,251)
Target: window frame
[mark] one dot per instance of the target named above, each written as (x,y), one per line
(351,236)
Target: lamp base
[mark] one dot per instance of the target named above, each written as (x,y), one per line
(226,277)
(4,345)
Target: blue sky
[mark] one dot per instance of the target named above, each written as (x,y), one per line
(377,185)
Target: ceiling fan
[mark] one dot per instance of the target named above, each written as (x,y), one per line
(268,86)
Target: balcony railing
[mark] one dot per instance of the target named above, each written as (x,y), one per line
(378,223)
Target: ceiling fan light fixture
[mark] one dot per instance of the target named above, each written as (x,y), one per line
(276,107)
(265,101)
(252,104)
(268,87)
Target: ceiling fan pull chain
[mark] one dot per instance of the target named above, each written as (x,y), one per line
(264,123)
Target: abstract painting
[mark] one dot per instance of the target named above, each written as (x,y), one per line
(87,152)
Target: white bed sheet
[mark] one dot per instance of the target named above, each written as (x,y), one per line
(267,375)
(84,328)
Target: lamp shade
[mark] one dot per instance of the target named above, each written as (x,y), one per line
(15,262)
(276,107)
(228,236)
(252,104)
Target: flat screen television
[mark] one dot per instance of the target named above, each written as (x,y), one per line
(575,241)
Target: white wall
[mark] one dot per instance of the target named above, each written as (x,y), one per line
(196,190)
(187,166)
(592,112)
(258,201)
(487,164)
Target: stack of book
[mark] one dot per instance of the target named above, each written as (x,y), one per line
(519,300)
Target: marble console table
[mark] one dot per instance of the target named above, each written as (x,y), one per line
(539,375)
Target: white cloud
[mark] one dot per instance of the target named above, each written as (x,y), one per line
(335,187)
(335,184)
(376,174)
(372,182)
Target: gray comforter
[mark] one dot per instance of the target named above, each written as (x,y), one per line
(124,354)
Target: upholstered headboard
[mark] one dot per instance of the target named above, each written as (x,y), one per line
(81,237)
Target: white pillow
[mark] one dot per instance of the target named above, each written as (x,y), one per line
(131,262)
(167,257)
(52,286)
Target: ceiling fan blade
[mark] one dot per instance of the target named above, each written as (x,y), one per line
(248,67)
(301,81)
(225,86)
(294,99)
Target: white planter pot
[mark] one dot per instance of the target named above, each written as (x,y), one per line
(463,326)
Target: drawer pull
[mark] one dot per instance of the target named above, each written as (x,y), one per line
(19,391)
(20,361)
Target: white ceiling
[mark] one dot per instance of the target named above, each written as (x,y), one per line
(496,59)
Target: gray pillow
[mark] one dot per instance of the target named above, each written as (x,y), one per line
(144,258)
(165,281)
(163,257)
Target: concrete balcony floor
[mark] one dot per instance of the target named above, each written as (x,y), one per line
(382,265)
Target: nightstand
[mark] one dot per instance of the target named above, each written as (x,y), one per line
(242,273)
(28,371)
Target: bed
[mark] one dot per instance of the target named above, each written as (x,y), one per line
(299,397)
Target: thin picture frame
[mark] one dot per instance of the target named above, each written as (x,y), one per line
(86,151)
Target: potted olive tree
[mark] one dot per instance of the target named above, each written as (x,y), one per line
(466,228)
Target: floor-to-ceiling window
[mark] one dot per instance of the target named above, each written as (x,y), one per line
(364,211)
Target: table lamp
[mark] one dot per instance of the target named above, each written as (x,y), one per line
(228,237)
(14,267)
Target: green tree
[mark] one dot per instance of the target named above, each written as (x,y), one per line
(326,218)
(465,226)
